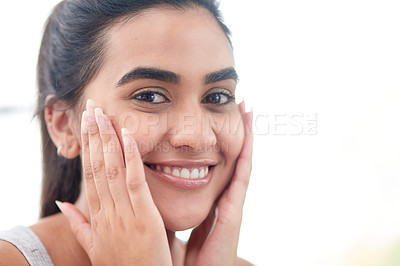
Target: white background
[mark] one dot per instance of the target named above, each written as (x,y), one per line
(324,195)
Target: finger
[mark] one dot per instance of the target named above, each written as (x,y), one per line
(90,186)
(138,190)
(97,158)
(230,205)
(114,162)
(220,245)
(242,109)
(201,232)
(79,225)
(246,119)
(237,190)
(198,237)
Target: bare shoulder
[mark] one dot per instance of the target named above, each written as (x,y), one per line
(56,236)
(10,255)
(242,262)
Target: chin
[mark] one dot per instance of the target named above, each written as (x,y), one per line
(184,204)
(184,218)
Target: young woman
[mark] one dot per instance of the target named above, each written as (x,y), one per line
(141,133)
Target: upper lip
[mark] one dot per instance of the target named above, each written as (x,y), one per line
(185,163)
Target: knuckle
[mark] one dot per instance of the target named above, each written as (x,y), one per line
(141,228)
(133,186)
(92,129)
(87,172)
(112,173)
(244,182)
(130,155)
(106,137)
(97,167)
(85,143)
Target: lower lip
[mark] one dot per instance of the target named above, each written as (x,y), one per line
(184,183)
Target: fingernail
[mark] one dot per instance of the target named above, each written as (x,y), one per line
(249,121)
(248,108)
(100,118)
(125,140)
(241,106)
(89,103)
(84,123)
(90,111)
(124,131)
(129,142)
(98,111)
(59,204)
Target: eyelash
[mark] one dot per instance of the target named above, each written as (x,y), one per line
(142,93)
(230,98)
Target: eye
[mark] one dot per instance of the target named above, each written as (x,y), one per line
(150,97)
(218,98)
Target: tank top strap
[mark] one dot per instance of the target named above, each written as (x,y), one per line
(29,244)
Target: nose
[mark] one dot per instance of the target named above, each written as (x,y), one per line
(191,130)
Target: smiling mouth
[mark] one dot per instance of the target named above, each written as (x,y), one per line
(183,175)
(182,172)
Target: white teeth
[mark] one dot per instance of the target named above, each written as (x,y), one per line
(201,174)
(167,170)
(194,173)
(185,173)
(175,172)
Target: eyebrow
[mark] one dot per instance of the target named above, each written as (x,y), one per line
(224,74)
(171,77)
(149,73)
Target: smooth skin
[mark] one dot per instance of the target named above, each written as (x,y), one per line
(121,205)
(124,217)
(125,214)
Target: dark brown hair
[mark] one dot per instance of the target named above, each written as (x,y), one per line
(70,55)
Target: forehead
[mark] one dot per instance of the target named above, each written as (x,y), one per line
(184,41)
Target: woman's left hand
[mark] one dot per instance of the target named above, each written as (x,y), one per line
(215,241)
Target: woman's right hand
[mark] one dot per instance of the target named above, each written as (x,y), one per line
(125,226)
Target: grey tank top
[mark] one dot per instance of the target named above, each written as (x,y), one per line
(28,244)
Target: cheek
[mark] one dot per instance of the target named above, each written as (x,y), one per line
(137,124)
(230,142)
(231,137)
(147,129)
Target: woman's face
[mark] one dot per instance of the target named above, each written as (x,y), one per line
(168,76)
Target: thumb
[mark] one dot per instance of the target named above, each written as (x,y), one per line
(79,225)
(199,235)
(202,231)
